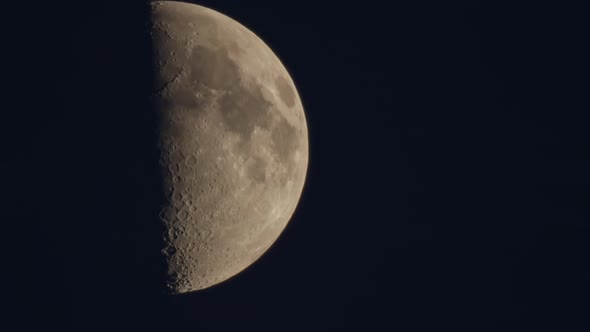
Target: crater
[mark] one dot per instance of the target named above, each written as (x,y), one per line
(180,16)
(177,93)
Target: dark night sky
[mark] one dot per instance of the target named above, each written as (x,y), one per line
(447,186)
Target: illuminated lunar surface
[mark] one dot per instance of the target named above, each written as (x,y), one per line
(233,142)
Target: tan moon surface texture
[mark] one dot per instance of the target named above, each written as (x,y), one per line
(233,142)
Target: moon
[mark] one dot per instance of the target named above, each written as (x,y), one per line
(233,142)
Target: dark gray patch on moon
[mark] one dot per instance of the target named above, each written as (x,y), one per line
(243,108)
(184,97)
(212,68)
(286,92)
(257,170)
(284,140)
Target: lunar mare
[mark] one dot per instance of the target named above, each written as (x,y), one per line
(233,143)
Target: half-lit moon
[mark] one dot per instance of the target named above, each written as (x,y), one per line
(233,142)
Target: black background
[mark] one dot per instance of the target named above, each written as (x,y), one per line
(447,185)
